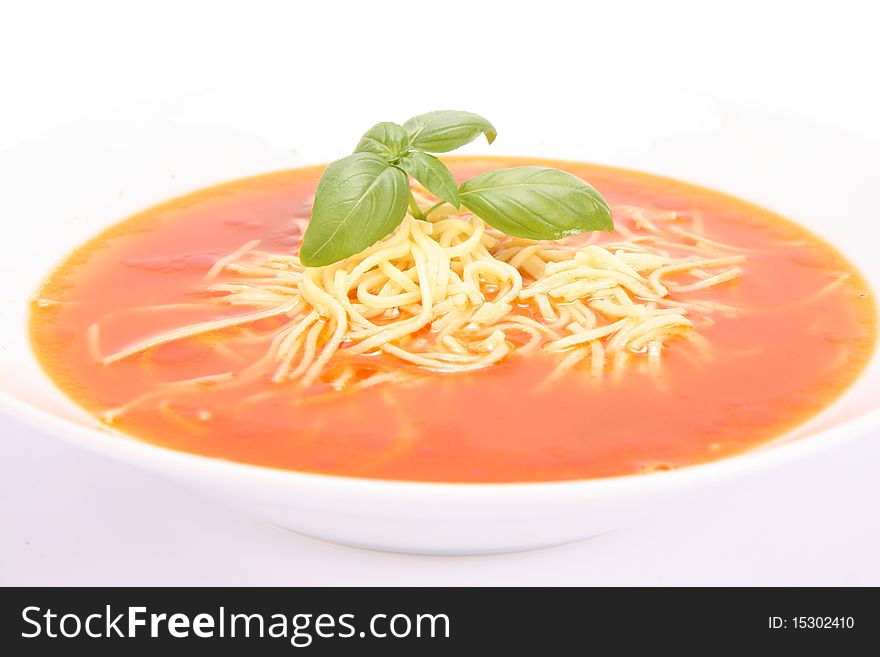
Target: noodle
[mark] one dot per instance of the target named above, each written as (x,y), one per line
(451,294)
(222,263)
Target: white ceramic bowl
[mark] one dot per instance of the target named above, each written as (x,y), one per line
(63,187)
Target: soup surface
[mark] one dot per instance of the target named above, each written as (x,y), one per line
(806,330)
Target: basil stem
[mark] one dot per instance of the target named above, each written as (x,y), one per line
(414,208)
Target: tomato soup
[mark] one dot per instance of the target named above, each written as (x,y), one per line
(806,330)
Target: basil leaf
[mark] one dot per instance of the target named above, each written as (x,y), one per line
(446,130)
(536,203)
(386,139)
(433,175)
(359,200)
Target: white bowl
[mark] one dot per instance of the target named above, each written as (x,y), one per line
(63,187)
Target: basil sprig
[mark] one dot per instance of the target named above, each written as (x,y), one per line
(363,197)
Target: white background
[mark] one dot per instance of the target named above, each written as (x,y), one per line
(71,517)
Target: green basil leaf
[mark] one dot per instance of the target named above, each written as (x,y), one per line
(359,200)
(433,174)
(386,139)
(536,203)
(446,130)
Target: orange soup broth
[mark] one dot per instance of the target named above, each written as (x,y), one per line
(772,367)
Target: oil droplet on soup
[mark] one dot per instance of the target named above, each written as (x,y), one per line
(773,367)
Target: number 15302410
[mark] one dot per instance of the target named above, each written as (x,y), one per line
(811,623)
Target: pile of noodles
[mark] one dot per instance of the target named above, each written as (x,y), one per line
(450,294)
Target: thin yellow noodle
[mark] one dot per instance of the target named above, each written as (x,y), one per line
(259,291)
(524,254)
(254,271)
(621,358)
(824,291)
(658,274)
(340,320)
(493,356)
(221,264)
(568,362)
(155,308)
(723,277)
(169,413)
(196,329)
(453,345)
(196,383)
(651,329)
(622,297)
(411,325)
(290,345)
(226,350)
(586,336)
(535,336)
(597,359)
(642,221)
(583,314)
(381,378)
(617,341)
(703,241)
(394,274)
(309,349)
(528,321)
(654,352)
(446,295)
(340,381)
(93,337)
(562,319)
(43,302)
(683,247)
(545,307)
(703,346)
